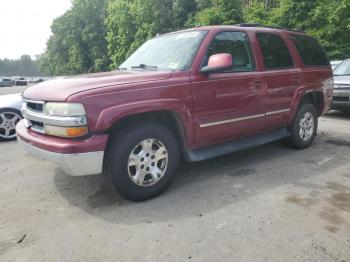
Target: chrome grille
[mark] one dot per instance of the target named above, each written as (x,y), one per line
(35,107)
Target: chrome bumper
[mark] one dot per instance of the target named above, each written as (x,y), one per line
(82,164)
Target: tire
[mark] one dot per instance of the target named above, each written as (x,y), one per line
(133,152)
(8,120)
(304,127)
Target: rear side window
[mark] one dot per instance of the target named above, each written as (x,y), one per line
(310,50)
(275,52)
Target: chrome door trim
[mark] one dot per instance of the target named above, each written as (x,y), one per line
(233,120)
(277,112)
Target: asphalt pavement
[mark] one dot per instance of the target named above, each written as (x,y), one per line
(270,203)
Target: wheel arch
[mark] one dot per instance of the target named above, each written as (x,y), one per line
(314,97)
(169,118)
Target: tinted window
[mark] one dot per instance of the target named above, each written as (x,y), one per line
(275,52)
(310,50)
(236,44)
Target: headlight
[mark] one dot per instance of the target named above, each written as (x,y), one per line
(64,109)
(68,120)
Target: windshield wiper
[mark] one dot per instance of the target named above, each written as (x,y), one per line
(145,67)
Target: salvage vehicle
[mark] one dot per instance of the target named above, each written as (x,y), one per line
(21,82)
(335,63)
(341,94)
(192,95)
(10,115)
(6,82)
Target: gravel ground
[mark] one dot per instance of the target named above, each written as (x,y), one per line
(270,203)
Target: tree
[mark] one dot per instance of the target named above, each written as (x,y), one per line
(216,12)
(24,66)
(131,22)
(326,20)
(78,42)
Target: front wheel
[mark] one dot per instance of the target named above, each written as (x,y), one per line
(304,127)
(142,160)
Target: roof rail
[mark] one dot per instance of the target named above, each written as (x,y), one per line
(271,27)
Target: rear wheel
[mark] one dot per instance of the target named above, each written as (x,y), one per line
(8,121)
(142,160)
(304,127)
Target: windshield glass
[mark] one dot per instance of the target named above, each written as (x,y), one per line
(343,69)
(166,53)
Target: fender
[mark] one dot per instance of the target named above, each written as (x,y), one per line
(298,96)
(111,115)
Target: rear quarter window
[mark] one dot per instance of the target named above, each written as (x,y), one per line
(311,52)
(275,51)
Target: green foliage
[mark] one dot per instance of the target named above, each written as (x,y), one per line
(24,66)
(131,22)
(97,35)
(326,20)
(217,12)
(78,44)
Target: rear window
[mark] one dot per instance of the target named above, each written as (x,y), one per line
(275,52)
(310,50)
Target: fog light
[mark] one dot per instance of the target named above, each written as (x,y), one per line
(66,131)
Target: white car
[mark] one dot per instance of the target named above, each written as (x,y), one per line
(10,115)
(335,63)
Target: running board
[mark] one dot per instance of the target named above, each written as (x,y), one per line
(236,145)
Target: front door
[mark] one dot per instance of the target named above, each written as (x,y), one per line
(228,105)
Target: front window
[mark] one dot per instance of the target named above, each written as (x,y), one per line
(343,69)
(237,45)
(166,53)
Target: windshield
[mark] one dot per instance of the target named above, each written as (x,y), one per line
(343,69)
(166,53)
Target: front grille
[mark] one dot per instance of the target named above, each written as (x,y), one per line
(36,106)
(341,99)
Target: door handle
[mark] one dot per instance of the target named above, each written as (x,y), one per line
(296,80)
(257,84)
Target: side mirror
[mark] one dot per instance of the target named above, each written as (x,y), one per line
(218,63)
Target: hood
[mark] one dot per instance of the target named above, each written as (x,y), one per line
(61,88)
(342,80)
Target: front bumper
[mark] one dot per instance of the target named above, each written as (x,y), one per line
(75,157)
(341,99)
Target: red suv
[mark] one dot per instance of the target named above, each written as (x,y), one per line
(193,94)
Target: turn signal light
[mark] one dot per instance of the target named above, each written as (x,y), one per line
(66,131)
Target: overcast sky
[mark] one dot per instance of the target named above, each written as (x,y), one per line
(25,25)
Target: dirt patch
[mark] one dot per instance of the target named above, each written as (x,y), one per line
(304,202)
(340,201)
(337,187)
(243,172)
(338,142)
(346,175)
(102,198)
(331,216)
(332,229)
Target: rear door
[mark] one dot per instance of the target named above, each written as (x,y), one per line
(230,104)
(281,75)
